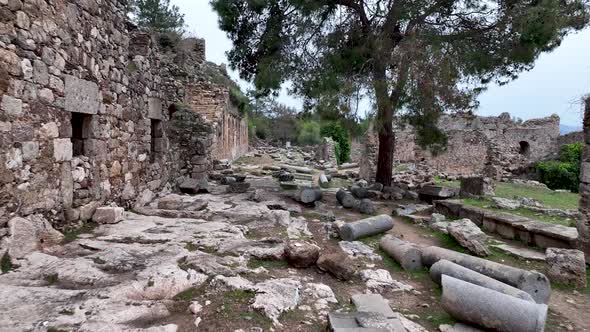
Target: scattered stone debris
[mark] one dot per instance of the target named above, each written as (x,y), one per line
(469,236)
(567,266)
(356,249)
(302,254)
(338,264)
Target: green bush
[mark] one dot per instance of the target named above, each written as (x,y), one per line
(259,126)
(341,138)
(309,133)
(565,173)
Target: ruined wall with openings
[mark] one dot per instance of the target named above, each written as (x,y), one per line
(87,109)
(477,145)
(583,224)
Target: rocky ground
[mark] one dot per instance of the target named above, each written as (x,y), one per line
(217,262)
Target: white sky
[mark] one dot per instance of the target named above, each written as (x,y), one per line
(555,85)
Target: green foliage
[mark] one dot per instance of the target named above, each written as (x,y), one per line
(341,137)
(6,263)
(565,173)
(157,15)
(238,98)
(309,133)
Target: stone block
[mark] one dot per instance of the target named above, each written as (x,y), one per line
(81,96)
(87,211)
(585,176)
(372,303)
(160,144)
(155,109)
(11,106)
(108,215)
(62,149)
(97,149)
(567,266)
(30,150)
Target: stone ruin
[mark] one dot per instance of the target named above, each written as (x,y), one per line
(495,146)
(93,111)
(583,223)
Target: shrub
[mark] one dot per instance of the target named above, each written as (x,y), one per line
(565,173)
(341,138)
(309,133)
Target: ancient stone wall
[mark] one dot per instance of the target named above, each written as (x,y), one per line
(571,138)
(478,145)
(584,221)
(85,110)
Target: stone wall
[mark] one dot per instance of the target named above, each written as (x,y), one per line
(85,107)
(584,221)
(477,145)
(571,138)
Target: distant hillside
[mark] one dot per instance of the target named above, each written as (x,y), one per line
(565,129)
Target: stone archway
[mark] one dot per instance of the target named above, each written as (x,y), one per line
(584,221)
(525,148)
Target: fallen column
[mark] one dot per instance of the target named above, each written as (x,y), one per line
(305,177)
(346,199)
(445,267)
(366,227)
(348,165)
(308,195)
(297,169)
(490,309)
(324,181)
(532,282)
(405,253)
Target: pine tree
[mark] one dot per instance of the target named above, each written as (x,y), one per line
(157,15)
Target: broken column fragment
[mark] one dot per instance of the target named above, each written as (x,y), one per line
(532,282)
(405,253)
(308,195)
(366,227)
(324,181)
(445,267)
(346,199)
(490,309)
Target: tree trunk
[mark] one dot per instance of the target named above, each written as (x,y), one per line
(384,125)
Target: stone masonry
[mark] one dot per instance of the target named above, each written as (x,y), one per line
(584,221)
(93,112)
(496,146)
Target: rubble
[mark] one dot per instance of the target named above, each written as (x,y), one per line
(567,266)
(469,236)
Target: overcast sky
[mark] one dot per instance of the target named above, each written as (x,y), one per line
(555,85)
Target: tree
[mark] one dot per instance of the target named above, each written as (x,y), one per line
(157,15)
(416,57)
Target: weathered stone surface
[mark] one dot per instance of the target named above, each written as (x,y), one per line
(372,303)
(476,186)
(29,235)
(567,266)
(381,279)
(338,264)
(469,236)
(458,327)
(505,203)
(430,193)
(62,149)
(522,252)
(357,249)
(302,254)
(238,187)
(276,296)
(81,96)
(11,106)
(108,215)
(366,206)
(490,309)
(194,186)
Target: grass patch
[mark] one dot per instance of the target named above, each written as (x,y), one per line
(51,279)
(523,212)
(437,318)
(185,295)
(73,234)
(448,242)
(68,312)
(447,183)
(233,308)
(6,263)
(190,247)
(549,198)
(255,263)
(54,329)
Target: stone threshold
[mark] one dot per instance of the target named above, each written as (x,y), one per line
(509,226)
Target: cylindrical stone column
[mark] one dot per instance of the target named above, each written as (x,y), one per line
(532,282)
(490,309)
(366,227)
(583,223)
(405,253)
(445,267)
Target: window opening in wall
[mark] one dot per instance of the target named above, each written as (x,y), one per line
(171,110)
(525,148)
(157,134)
(80,133)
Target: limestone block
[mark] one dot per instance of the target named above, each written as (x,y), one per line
(30,234)
(14,159)
(81,96)
(62,149)
(30,150)
(11,106)
(40,72)
(155,109)
(567,266)
(108,215)
(87,211)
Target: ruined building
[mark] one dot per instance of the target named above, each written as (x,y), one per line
(495,146)
(94,111)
